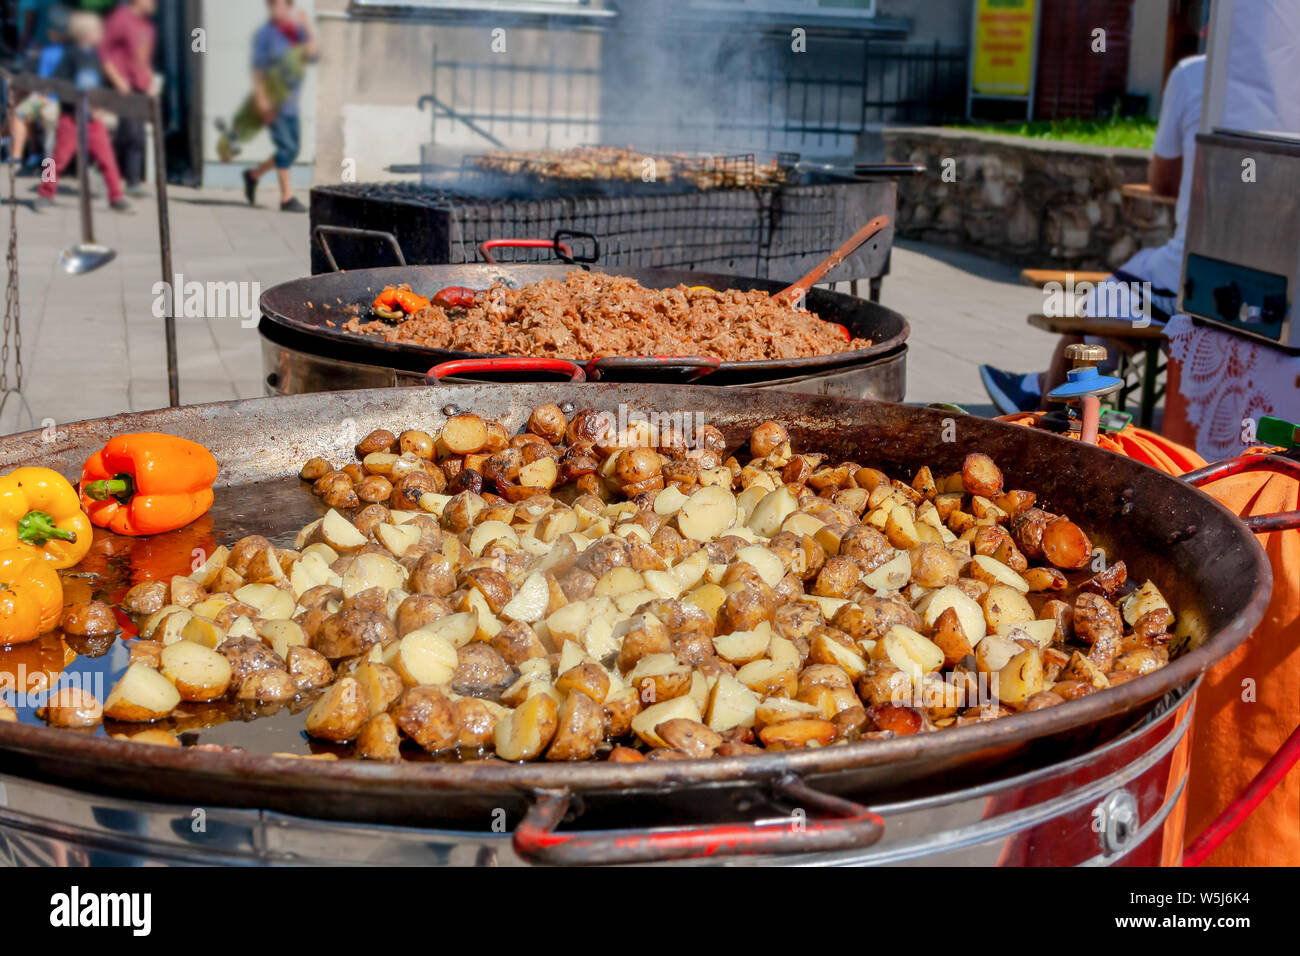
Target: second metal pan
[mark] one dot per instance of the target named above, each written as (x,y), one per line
(314,309)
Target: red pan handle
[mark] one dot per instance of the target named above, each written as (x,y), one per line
(693,366)
(573,370)
(841,825)
(487,247)
(1259,524)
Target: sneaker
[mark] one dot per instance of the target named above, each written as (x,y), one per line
(42,203)
(138,191)
(122,205)
(292,205)
(1007,390)
(250,187)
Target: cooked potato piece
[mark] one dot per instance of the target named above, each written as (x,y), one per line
(142,695)
(529,729)
(340,534)
(685,707)
(689,736)
(980,476)
(707,513)
(199,673)
(1005,606)
(268,687)
(741,647)
(89,619)
(934,566)
(270,601)
(991,571)
(72,707)
(1020,678)
(950,637)
(145,598)
(349,633)
(580,728)
(1065,545)
(308,669)
(340,713)
(793,734)
(464,434)
(909,651)
(378,739)
(425,657)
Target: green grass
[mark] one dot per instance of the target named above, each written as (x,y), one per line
(1135,132)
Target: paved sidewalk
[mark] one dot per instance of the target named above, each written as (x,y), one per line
(92,346)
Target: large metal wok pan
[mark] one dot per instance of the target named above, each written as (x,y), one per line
(299,313)
(1202,557)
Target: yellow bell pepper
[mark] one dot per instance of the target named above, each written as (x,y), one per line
(31,595)
(40,511)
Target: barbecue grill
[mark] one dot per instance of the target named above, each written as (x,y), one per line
(1095,780)
(777,233)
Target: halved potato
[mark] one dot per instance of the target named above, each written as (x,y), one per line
(707,513)
(528,730)
(199,673)
(142,695)
(1005,607)
(340,712)
(764,561)
(992,571)
(684,707)
(271,602)
(741,647)
(340,534)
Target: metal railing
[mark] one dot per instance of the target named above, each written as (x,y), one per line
(811,104)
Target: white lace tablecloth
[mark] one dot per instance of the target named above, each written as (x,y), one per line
(1230,382)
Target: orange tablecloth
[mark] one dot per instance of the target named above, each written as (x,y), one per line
(1249,703)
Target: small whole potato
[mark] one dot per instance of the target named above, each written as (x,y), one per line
(408,490)
(417,443)
(349,633)
(147,597)
(434,575)
(315,468)
(417,610)
(374,489)
(548,421)
(767,438)
(426,716)
(309,669)
(72,707)
(638,465)
(89,619)
(480,669)
(838,577)
(381,439)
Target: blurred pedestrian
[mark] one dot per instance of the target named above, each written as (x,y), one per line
(127,55)
(281,49)
(80,65)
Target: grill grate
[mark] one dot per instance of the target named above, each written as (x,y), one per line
(766,233)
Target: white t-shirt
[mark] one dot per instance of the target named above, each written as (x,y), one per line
(1180,120)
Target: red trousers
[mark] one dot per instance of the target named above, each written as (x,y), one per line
(99,148)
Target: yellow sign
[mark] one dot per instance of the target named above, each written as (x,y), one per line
(1005,36)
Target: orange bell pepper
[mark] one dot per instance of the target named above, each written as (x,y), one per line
(39,510)
(31,596)
(147,483)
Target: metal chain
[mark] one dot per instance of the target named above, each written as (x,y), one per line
(13,319)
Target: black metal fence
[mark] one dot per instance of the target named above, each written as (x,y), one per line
(749,93)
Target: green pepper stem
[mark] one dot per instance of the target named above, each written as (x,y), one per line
(38,529)
(120,487)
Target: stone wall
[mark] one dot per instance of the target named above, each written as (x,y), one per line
(1031,202)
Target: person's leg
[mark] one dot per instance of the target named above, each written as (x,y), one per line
(129,148)
(65,148)
(285,136)
(101,151)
